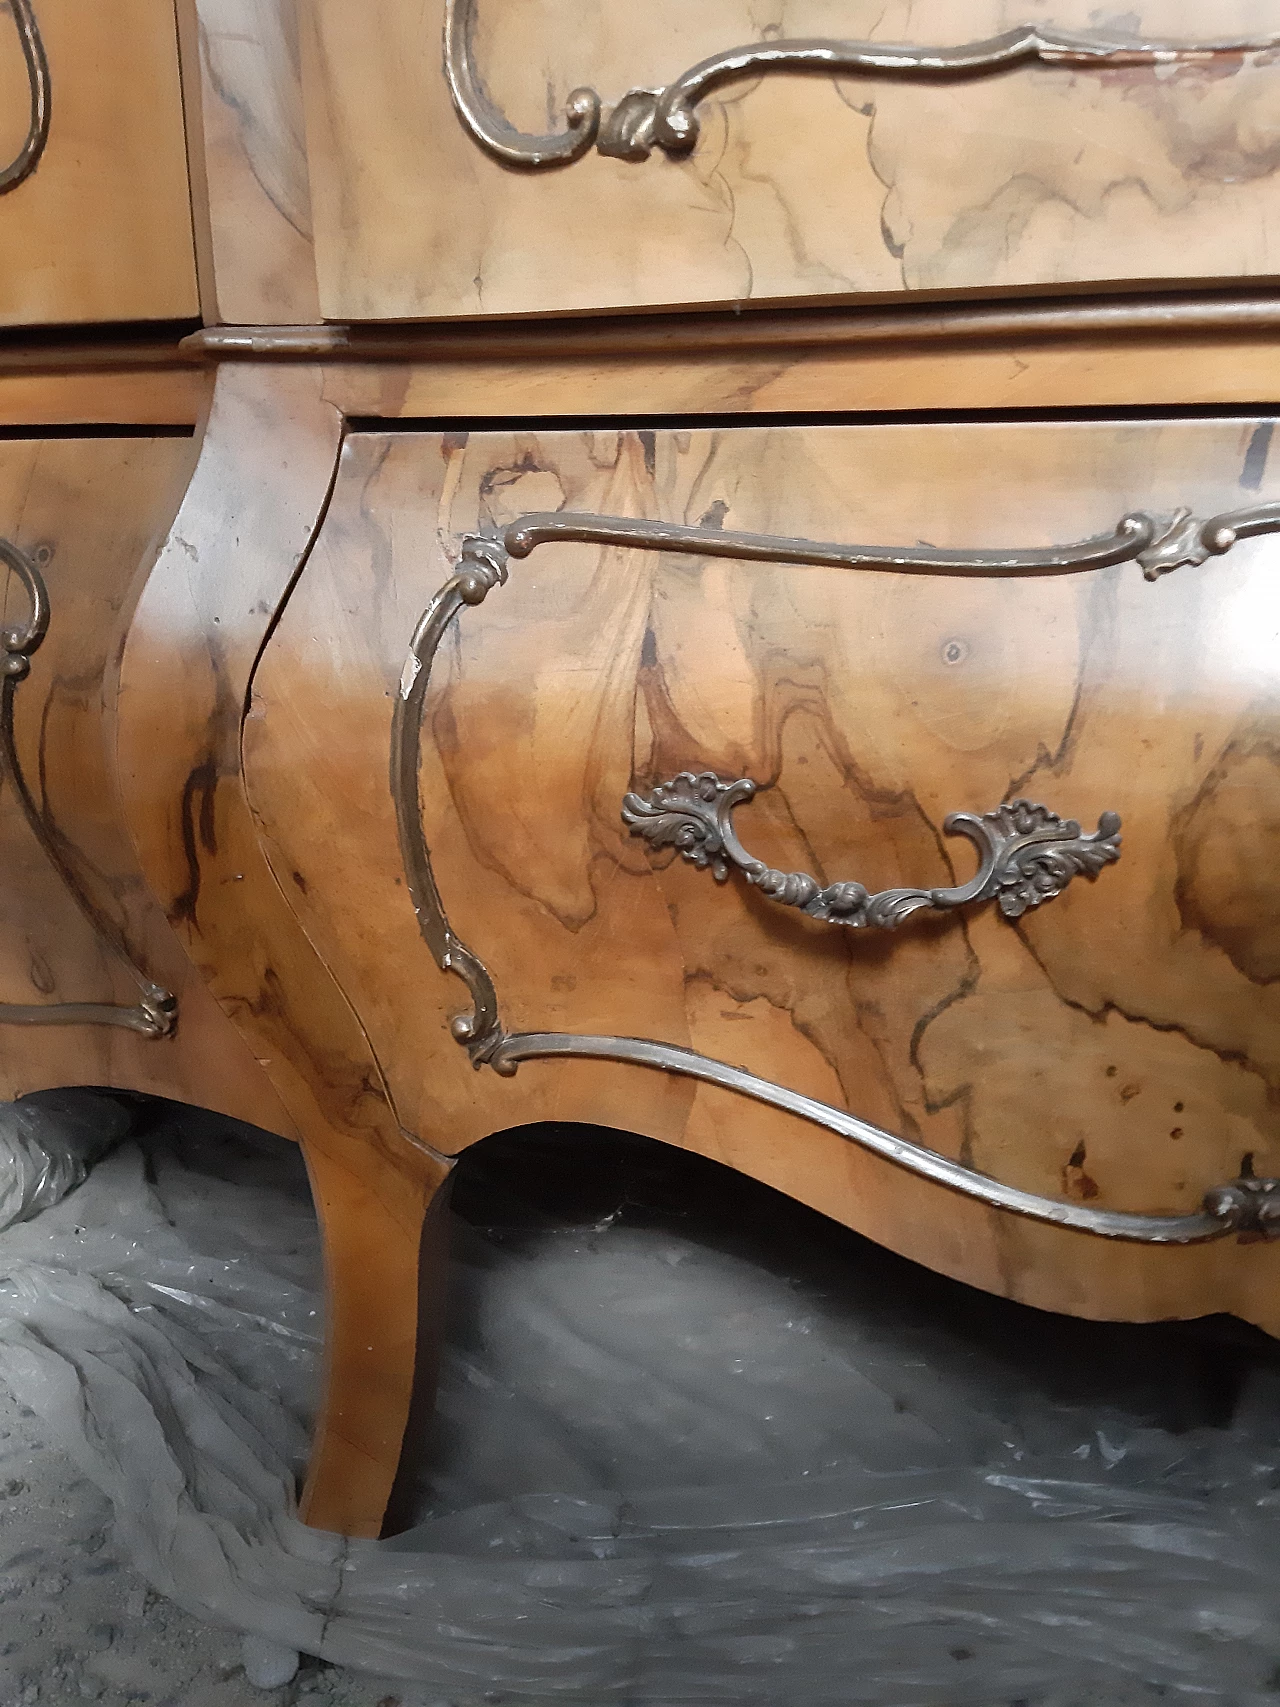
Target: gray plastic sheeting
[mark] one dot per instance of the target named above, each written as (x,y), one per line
(734,1455)
(49,1143)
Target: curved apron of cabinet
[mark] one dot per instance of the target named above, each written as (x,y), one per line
(247,521)
(1089,1030)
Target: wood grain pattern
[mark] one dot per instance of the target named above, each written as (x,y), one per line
(1077,373)
(1116,1047)
(250,177)
(87,511)
(177,397)
(800,186)
(102,228)
(245,527)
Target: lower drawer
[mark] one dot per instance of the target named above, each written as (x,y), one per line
(1075,998)
(75,519)
(93,988)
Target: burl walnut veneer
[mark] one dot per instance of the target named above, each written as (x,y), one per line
(841,737)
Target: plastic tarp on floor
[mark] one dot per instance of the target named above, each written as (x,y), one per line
(693,1443)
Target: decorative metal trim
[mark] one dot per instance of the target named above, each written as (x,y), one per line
(28,156)
(1245,1206)
(156,1011)
(1188,541)
(1252,1204)
(667,118)
(1248,1206)
(1158,543)
(479,571)
(755,332)
(1027,854)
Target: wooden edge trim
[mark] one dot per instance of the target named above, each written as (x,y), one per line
(191,72)
(754,330)
(73,355)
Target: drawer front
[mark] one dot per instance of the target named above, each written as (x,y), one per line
(91,978)
(454,184)
(94,210)
(1096,1024)
(75,516)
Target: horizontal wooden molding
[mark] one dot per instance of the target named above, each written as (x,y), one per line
(748,333)
(99,349)
(753,332)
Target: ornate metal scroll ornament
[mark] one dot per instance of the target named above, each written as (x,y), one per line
(156,1011)
(645,119)
(481,567)
(1251,1205)
(27,158)
(1027,852)
(1188,541)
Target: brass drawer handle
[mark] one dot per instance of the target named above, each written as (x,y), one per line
(1027,854)
(27,158)
(667,118)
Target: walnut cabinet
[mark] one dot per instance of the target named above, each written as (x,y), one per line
(740,606)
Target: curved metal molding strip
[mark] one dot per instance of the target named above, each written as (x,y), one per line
(1157,544)
(156,1011)
(28,156)
(1243,1206)
(645,119)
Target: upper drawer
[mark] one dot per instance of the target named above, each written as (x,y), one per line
(95,217)
(1078,163)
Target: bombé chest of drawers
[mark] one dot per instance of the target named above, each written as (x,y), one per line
(696,572)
